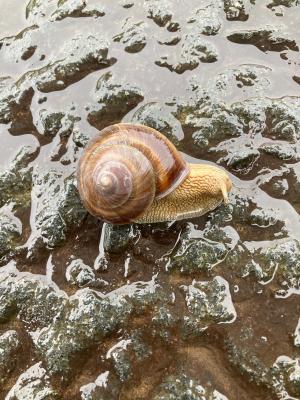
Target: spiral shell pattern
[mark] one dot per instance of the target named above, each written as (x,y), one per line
(124,169)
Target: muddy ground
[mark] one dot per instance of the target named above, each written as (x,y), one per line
(202,309)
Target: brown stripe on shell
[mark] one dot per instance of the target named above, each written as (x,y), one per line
(143,187)
(169,166)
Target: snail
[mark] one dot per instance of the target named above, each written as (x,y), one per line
(133,173)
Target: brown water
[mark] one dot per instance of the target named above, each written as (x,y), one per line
(258,310)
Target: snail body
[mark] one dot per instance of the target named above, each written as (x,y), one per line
(132,173)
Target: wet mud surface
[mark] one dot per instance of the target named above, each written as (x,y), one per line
(206,308)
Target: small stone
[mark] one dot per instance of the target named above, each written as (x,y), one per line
(114,99)
(82,55)
(76,9)
(33,384)
(195,255)
(126,355)
(117,238)
(58,207)
(286,376)
(263,218)
(183,387)
(159,11)
(208,303)
(106,386)
(193,50)
(207,20)
(9,347)
(80,274)
(161,119)
(133,36)
(10,230)
(16,179)
(267,38)
(51,123)
(235,10)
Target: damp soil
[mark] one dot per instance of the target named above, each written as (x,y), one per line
(223,111)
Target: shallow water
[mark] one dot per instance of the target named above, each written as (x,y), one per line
(217,315)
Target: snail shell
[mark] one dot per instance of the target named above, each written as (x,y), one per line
(125,168)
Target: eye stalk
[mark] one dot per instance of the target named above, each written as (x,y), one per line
(226,186)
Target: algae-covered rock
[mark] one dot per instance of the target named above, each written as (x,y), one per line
(281,378)
(263,218)
(9,347)
(10,230)
(164,320)
(80,138)
(89,317)
(222,234)
(77,323)
(15,99)
(30,297)
(207,303)
(79,273)
(86,319)
(215,127)
(106,386)
(127,354)
(74,60)
(133,36)
(286,3)
(183,387)
(248,363)
(197,255)
(161,119)
(51,123)
(286,376)
(274,261)
(284,120)
(16,179)
(159,11)
(276,120)
(115,99)
(33,384)
(275,182)
(193,50)
(58,207)
(76,9)
(267,38)
(82,55)
(209,119)
(118,238)
(251,79)
(237,212)
(282,151)
(126,3)
(282,257)
(20,47)
(207,20)
(241,160)
(236,10)
(38,10)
